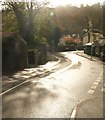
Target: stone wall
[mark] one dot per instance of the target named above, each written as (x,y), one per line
(14,52)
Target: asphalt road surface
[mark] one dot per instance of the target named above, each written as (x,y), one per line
(56,94)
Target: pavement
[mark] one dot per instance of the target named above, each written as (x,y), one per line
(82,54)
(89,108)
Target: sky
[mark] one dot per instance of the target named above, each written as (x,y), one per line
(55,3)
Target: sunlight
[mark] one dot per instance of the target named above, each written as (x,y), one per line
(59,3)
(55,3)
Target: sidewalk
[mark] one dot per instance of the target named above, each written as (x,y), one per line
(82,54)
(89,108)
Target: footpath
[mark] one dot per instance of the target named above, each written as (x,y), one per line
(91,109)
(82,54)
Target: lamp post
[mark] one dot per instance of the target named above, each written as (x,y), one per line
(92,49)
(52,41)
(91,35)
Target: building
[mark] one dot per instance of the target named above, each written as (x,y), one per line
(96,41)
(14,52)
(95,35)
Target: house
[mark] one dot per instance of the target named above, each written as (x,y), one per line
(94,36)
(75,39)
(99,44)
(61,42)
(96,40)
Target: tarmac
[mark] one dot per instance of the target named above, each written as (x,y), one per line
(86,108)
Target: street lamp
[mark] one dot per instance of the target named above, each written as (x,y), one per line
(92,45)
(52,41)
(51,14)
(90,34)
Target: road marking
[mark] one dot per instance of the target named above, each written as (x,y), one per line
(12,88)
(95,84)
(25,76)
(90,91)
(73,115)
(98,80)
(27,80)
(103,88)
(93,87)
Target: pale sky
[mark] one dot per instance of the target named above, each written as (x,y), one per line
(54,3)
(74,2)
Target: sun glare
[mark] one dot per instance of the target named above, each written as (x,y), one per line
(59,2)
(74,2)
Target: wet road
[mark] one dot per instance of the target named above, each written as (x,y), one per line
(56,94)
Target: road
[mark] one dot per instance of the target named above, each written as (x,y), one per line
(56,94)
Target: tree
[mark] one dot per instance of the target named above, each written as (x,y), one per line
(25,13)
(74,19)
(42,23)
(104,19)
(56,36)
(29,25)
(9,22)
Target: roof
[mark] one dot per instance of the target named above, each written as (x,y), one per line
(88,44)
(95,31)
(6,34)
(102,38)
(13,35)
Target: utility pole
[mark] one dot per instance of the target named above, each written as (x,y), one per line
(91,34)
(51,24)
(104,19)
(88,30)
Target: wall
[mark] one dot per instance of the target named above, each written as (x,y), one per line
(14,53)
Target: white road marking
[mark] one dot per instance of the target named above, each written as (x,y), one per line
(95,84)
(93,87)
(103,88)
(12,88)
(25,76)
(90,91)
(98,80)
(74,113)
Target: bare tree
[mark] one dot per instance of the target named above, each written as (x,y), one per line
(25,12)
